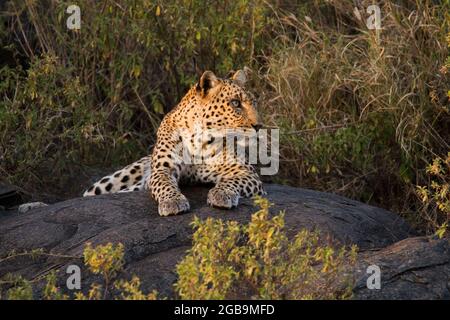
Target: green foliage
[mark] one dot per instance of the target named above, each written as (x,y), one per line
(51,290)
(21,290)
(436,196)
(106,260)
(361,111)
(95,96)
(35,128)
(130,290)
(229,261)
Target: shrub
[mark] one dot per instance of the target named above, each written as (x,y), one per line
(71,100)
(106,260)
(21,290)
(258,261)
(436,196)
(227,260)
(361,112)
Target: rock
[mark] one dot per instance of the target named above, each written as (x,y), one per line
(9,196)
(25,207)
(414,268)
(154,244)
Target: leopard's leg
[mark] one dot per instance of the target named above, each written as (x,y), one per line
(163,182)
(232,181)
(165,190)
(130,178)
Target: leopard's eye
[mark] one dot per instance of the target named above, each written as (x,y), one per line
(235,103)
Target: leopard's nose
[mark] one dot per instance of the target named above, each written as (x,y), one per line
(257,126)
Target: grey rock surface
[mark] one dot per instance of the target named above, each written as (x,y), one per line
(9,196)
(154,244)
(414,268)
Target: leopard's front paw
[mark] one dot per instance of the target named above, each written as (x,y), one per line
(222,198)
(173,206)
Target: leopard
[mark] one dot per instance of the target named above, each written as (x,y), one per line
(213,105)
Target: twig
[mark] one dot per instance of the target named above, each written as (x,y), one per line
(28,253)
(335,126)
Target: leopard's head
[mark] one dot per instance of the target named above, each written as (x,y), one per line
(225,103)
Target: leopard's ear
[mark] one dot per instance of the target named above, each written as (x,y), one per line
(207,81)
(230,74)
(240,77)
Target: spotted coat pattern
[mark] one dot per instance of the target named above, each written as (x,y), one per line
(211,104)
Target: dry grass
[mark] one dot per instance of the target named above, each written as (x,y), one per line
(361,111)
